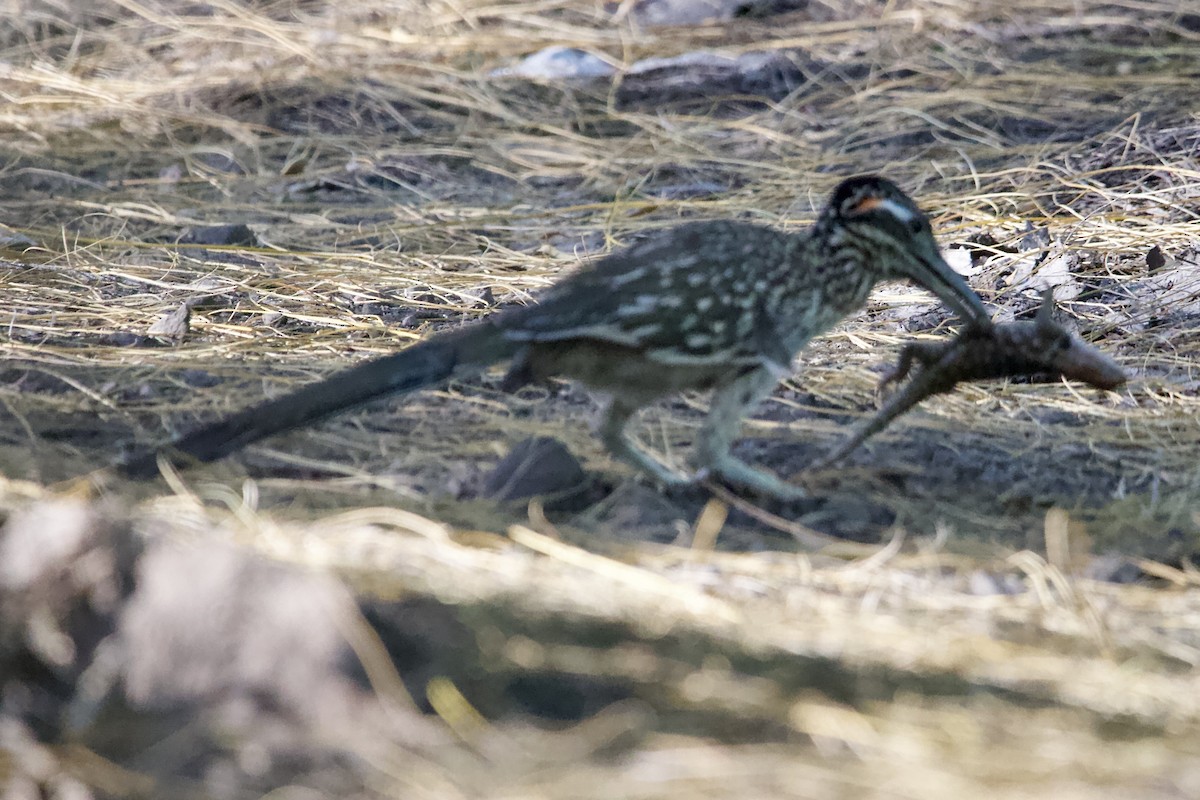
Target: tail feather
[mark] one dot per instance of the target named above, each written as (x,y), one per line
(470,350)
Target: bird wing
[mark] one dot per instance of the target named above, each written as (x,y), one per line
(691,295)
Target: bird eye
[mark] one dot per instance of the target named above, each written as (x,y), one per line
(918,225)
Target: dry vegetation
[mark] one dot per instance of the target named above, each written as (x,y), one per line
(1018,616)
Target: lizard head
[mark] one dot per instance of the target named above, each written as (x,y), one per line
(1066,354)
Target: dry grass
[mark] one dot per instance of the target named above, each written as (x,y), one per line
(394,188)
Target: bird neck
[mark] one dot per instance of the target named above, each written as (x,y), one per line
(821,280)
(839,264)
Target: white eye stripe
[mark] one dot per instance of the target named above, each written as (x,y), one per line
(898,211)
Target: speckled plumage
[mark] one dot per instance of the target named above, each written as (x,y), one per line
(719,305)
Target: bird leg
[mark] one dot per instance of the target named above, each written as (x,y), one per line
(730,404)
(616,438)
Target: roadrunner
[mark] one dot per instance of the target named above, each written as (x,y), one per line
(708,305)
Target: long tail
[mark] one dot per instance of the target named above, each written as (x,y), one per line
(468,350)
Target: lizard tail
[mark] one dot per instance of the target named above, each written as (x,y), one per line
(462,352)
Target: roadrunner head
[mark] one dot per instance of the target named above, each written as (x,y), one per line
(894,239)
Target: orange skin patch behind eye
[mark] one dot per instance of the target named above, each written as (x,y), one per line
(867,204)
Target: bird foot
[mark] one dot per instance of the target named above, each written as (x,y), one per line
(665,477)
(740,475)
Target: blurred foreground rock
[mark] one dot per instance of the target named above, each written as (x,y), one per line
(199,667)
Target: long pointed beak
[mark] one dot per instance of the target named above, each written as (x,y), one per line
(950,287)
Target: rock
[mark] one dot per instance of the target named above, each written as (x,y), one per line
(703,76)
(537,466)
(65,570)
(700,76)
(217,235)
(173,325)
(15,241)
(211,622)
(558,63)
(1155,260)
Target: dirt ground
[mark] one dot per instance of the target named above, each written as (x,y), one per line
(205,204)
